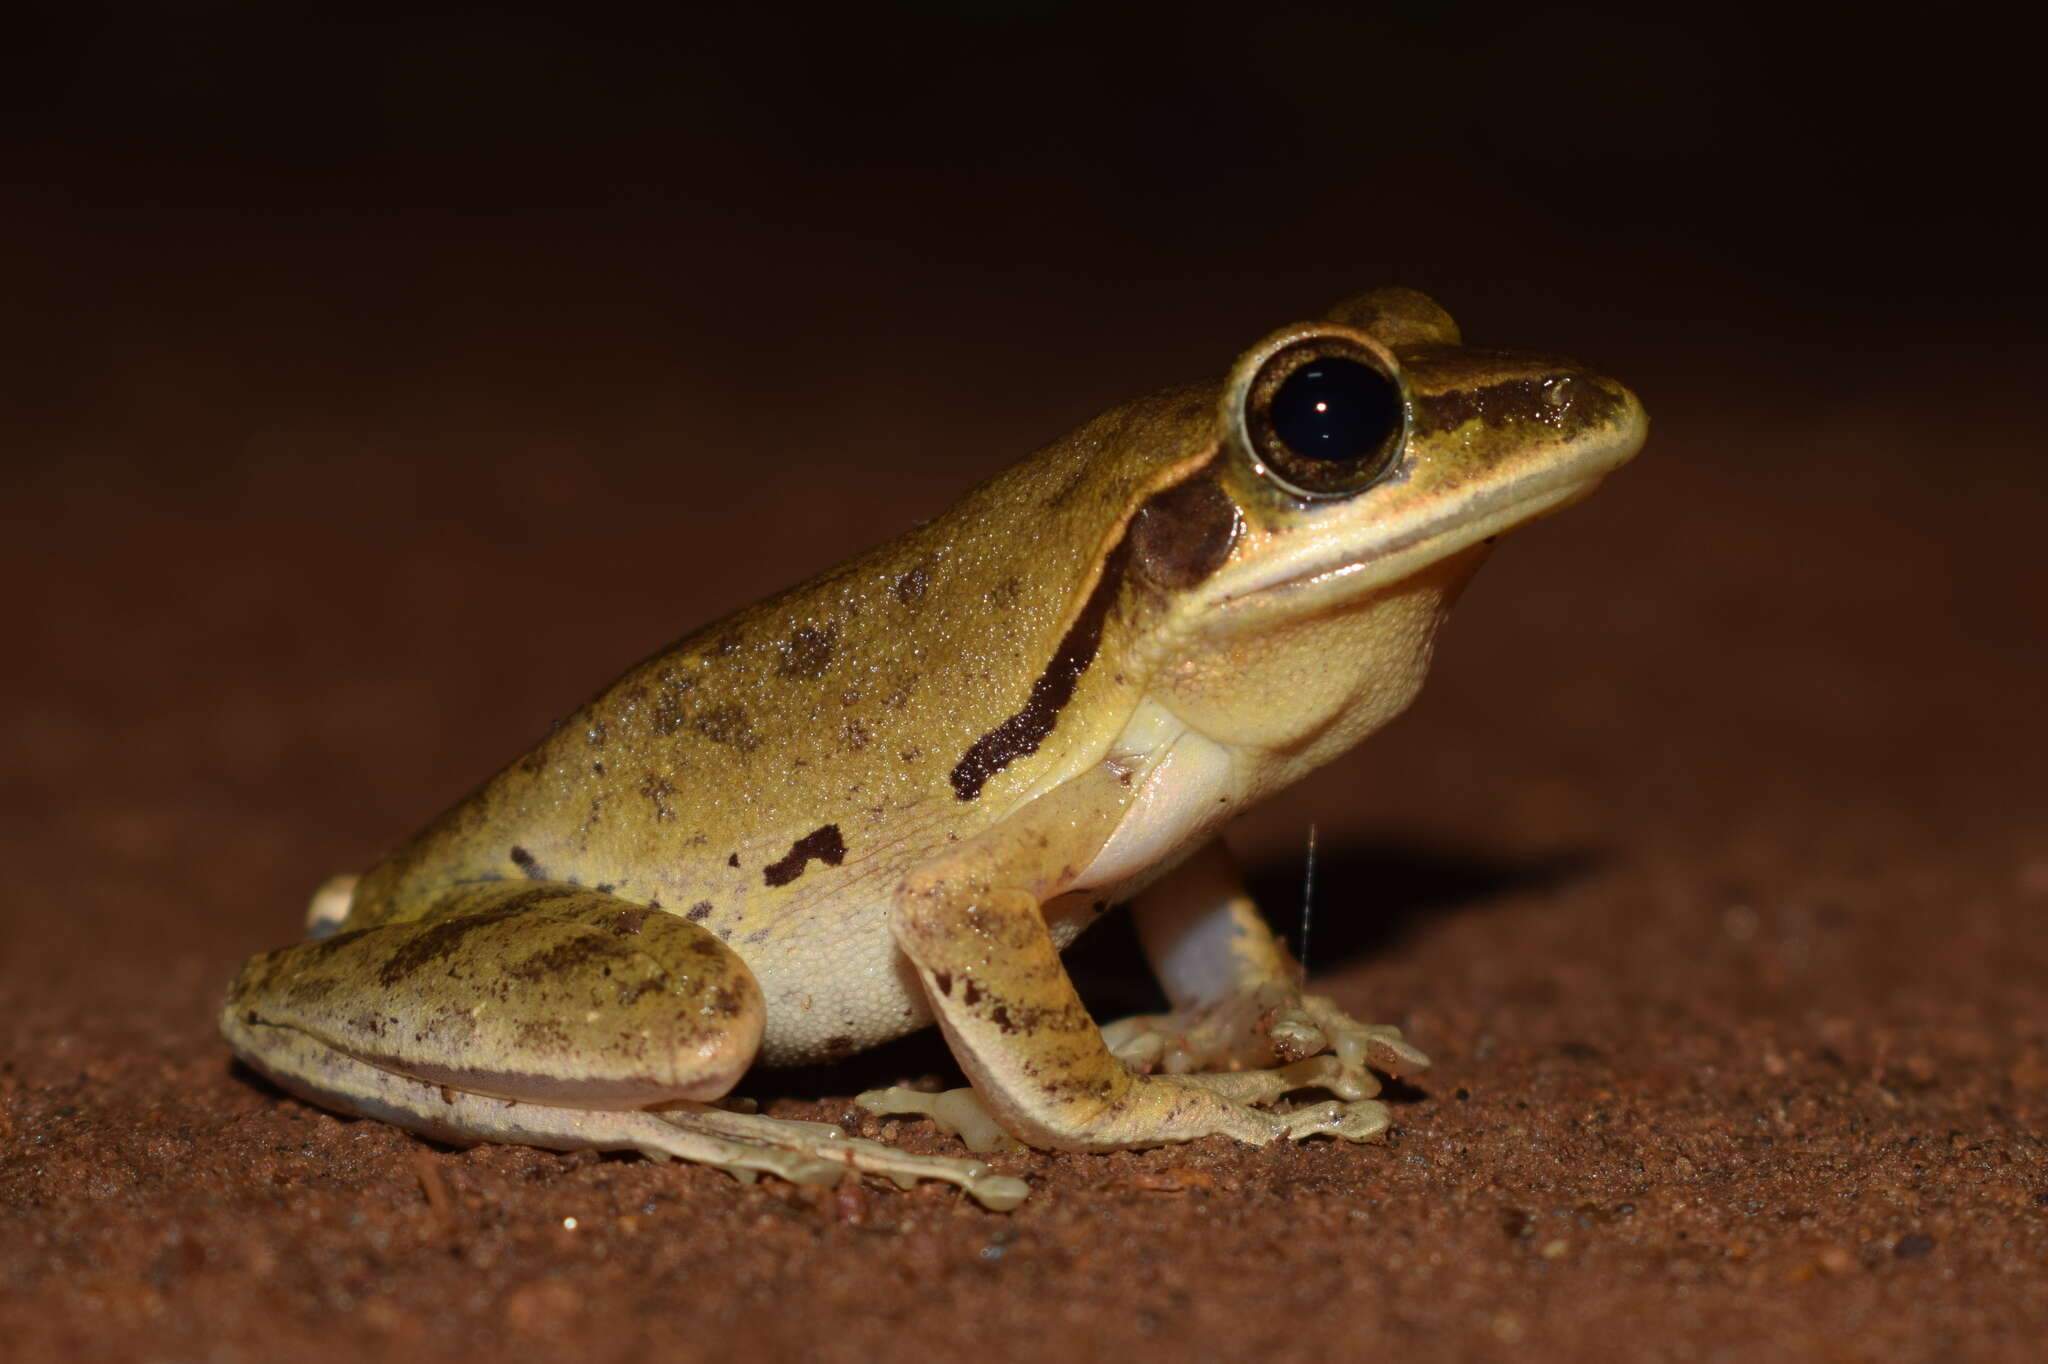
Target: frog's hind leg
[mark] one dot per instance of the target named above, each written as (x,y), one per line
(743,1145)
(546,1015)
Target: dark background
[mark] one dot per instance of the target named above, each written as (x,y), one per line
(374,385)
(670,205)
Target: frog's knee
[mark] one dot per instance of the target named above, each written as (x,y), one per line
(546,994)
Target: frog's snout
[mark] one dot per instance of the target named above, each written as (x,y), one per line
(1626,428)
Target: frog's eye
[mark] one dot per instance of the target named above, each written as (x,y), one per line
(1324,416)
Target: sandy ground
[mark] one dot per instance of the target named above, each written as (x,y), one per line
(1710,867)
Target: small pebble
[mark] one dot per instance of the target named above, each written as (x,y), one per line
(1914,1247)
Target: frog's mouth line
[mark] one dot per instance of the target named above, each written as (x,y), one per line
(1481,519)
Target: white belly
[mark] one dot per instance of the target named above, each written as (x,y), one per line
(835,988)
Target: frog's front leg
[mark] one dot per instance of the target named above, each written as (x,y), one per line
(1238,1003)
(550,1016)
(972,925)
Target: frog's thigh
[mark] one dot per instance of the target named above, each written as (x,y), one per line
(971,923)
(540,993)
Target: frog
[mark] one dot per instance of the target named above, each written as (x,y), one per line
(889,797)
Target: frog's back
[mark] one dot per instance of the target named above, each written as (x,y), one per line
(807,749)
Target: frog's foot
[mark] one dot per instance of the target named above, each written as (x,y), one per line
(956,1112)
(961,1112)
(1230,1046)
(1229,1034)
(743,1144)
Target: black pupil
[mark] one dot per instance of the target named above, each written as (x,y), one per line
(1335,409)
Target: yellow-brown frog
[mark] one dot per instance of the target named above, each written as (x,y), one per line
(891,795)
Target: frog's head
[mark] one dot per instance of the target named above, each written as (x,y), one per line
(1361,465)
(1362,447)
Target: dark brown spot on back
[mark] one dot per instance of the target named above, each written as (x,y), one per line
(823,844)
(910,587)
(728,725)
(698,912)
(808,652)
(528,865)
(672,687)
(658,789)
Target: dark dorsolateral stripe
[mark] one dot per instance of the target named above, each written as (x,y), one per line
(1021,734)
